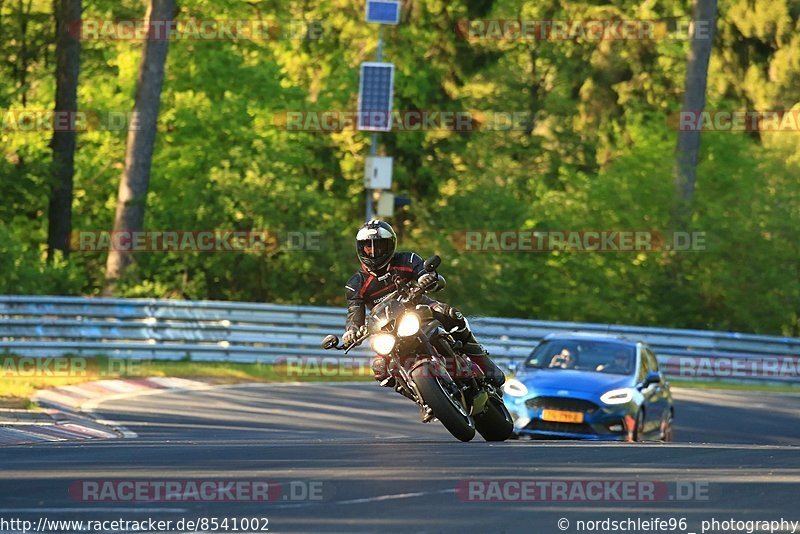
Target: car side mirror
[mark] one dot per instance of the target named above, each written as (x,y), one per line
(653,377)
(330,342)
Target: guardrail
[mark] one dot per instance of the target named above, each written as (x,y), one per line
(249,332)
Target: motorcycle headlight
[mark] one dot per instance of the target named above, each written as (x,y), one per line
(382,343)
(409,325)
(617,396)
(515,388)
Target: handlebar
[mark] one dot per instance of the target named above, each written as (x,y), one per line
(363,337)
(412,291)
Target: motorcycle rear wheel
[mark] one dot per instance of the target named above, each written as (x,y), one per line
(495,423)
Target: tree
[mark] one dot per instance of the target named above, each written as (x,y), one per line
(694,101)
(600,156)
(133,188)
(68,51)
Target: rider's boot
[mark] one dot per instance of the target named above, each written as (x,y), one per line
(426,414)
(479,355)
(460,331)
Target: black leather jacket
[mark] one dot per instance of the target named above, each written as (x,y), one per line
(365,289)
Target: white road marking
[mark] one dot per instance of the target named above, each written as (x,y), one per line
(28,423)
(394,497)
(364,500)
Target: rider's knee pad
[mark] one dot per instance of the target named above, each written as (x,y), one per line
(454,317)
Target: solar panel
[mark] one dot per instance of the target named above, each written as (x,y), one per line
(383,12)
(375,97)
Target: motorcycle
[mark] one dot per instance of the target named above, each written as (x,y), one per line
(428,366)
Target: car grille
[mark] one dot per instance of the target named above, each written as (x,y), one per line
(562,403)
(568,428)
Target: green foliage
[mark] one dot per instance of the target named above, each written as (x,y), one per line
(596,153)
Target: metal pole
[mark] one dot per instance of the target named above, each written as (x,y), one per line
(379,53)
(373,148)
(373,151)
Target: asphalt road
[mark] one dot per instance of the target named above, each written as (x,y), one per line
(352,458)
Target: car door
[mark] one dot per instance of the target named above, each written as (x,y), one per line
(659,398)
(650,393)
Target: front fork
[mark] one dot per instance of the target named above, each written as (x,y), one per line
(406,385)
(474,391)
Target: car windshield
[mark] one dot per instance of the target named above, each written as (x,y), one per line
(584,355)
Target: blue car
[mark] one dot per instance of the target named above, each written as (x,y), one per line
(591,387)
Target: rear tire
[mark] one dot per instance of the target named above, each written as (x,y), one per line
(495,423)
(432,390)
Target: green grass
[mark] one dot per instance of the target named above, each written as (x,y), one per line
(18,380)
(736,386)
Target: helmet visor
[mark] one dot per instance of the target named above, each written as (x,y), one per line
(377,249)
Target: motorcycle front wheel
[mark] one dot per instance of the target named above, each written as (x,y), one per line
(439,394)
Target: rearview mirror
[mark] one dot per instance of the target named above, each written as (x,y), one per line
(653,377)
(432,263)
(330,342)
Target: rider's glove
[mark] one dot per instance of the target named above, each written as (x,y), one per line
(349,337)
(352,335)
(428,281)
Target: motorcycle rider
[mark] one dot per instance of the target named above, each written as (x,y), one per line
(376,242)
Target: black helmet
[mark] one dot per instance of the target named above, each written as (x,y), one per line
(381,239)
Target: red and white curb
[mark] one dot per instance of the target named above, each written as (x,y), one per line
(18,427)
(68,414)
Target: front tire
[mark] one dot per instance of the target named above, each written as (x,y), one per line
(434,392)
(495,423)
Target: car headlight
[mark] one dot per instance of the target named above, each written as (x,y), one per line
(382,343)
(515,388)
(617,396)
(409,325)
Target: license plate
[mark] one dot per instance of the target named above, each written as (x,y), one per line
(559,416)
